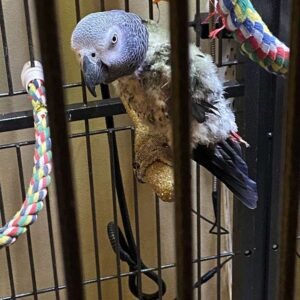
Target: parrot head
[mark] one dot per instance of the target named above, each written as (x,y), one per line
(109,45)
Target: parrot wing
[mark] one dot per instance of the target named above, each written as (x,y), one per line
(225,162)
(214,149)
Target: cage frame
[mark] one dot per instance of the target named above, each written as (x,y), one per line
(267,263)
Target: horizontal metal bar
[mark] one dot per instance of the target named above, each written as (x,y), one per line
(230,63)
(94,109)
(110,277)
(23,92)
(74,112)
(71,136)
(234,89)
(16,120)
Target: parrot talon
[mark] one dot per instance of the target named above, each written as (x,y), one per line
(164,85)
(136,165)
(209,17)
(215,32)
(236,137)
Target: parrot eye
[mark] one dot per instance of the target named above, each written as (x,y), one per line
(114,39)
(93,54)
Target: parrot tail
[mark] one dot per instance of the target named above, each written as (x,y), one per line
(226,163)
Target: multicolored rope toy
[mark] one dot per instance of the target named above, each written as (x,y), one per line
(258,43)
(248,28)
(32,79)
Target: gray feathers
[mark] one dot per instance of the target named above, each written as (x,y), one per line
(119,47)
(117,39)
(148,92)
(139,63)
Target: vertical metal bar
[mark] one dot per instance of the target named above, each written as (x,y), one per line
(158,241)
(119,183)
(197,33)
(115,211)
(47,25)
(198,208)
(182,150)
(198,193)
(252,230)
(220,50)
(91,179)
(211,28)
(29,32)
(150,5)
(291,178)
(8,256)
(52,249)
(137,221)
(282,31)
(218,223)
(93,211)
(102,5)
(28,233)
(83,89)
(126,3)
(6,53)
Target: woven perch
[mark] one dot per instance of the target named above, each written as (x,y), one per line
(32,79)
(257,41)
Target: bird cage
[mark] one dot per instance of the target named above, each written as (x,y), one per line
(104,235)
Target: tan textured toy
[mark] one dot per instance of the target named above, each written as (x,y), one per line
(153,158)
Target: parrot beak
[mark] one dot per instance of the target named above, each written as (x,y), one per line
(91,88)
(92,74)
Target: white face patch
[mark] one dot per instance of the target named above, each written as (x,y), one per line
(115,39)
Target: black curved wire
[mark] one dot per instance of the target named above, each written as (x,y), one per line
(126,246)
(210,274)
(120,245)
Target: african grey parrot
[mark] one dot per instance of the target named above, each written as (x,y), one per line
(120,47)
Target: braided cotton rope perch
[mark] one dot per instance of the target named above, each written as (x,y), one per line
(32,79)
(257,41)
(248,28)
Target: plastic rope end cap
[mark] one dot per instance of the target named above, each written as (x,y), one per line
(30,73)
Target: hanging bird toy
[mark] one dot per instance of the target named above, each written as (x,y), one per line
(257,41)
(33,82)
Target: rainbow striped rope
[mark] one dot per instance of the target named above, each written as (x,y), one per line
(258,43)
(40,179)
(248,28)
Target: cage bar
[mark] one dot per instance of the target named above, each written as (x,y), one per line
(291,176)
(6,52)
(46,17)
(182,151)
(112,106)
(8,255)
(158,242)
(137,219)
(52,249)
(28,234)
(29,32)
